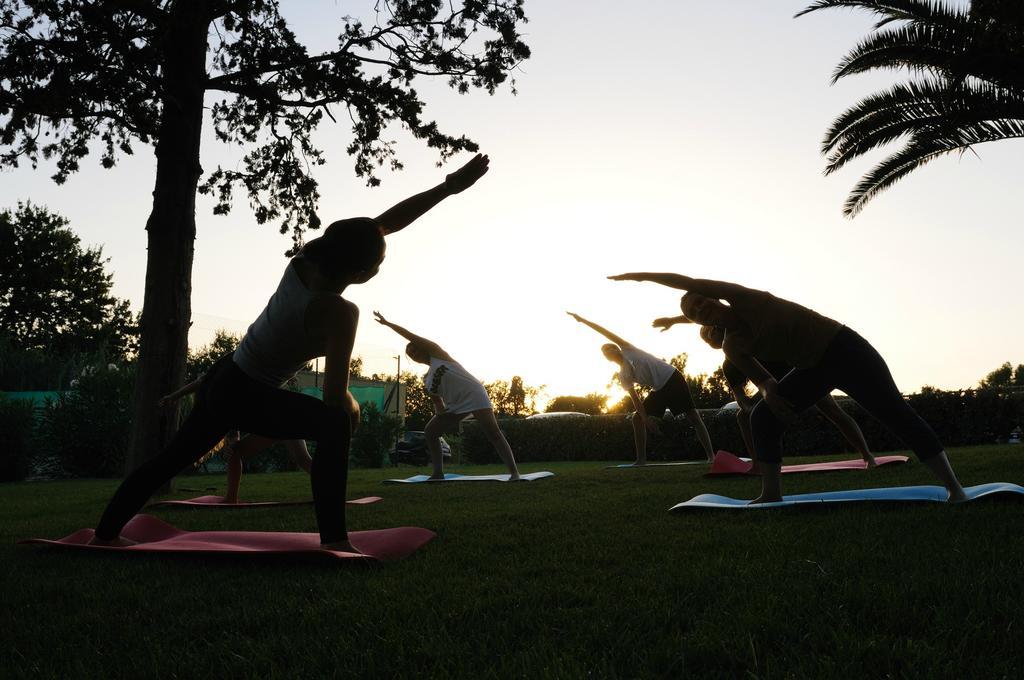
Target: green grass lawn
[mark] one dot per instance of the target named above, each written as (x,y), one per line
(583,574)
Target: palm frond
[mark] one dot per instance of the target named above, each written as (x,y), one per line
(888,172)
(915,107)
(920,151)
(931,11)
(915,46)
(982,131)
(967,49)
(877,124)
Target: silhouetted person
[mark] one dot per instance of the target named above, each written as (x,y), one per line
(825,355)
(456,395)
(305,318)
(737,381)
(669,390)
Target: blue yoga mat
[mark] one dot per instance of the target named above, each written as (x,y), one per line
(452,477)
(899,493)
(672,464)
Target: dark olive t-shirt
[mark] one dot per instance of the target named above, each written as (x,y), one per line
(737,379)
(782,330)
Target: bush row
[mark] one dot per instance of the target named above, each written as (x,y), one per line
(85,432)
(16,430)
(960,418)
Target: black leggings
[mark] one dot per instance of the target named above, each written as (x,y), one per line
(852,365)
(228,399)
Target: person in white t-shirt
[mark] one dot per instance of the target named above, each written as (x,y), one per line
(456,395)
(637,367)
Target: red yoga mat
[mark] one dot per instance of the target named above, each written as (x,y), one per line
(154,535)
(726,463)
(218,502)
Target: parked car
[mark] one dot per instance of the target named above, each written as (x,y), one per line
(554,415)
(412,449)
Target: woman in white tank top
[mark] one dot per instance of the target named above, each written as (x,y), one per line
(456,395)
(306,317)
(670,392)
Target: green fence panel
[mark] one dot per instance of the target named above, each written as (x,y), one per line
(369,394)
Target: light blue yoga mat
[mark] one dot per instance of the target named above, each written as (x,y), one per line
(452,477)
(672,464)
(899,493)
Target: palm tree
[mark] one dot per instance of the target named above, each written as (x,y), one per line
(967,86)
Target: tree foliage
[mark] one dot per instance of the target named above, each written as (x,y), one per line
(592,404)
(512,398)
(707,391)
(55,295)
(418,406)
(968,87)
(80,76)
(1004,376)
(202,359)
(88,427)
(74,72)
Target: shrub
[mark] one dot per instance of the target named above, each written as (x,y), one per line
(608,437)
(274,458)
(17,420)
(88,427)
(374,437)
(959,418)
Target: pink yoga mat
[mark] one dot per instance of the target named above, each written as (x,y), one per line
(153,535)
(218,502)
(726,463)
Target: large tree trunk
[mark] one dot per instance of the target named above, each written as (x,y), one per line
(171,228)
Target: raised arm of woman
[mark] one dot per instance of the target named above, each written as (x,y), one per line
(719,290)
(602,330)
(430,346)
(408,211)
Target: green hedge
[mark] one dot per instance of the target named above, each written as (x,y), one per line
(88,427)
(960,418)
(607,437)
(17,421)
(373,438)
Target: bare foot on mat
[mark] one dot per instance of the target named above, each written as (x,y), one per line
(340,546)
(118,542)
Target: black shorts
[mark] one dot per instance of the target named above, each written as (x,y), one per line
(673,395)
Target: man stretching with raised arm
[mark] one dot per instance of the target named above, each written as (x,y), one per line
(825,355)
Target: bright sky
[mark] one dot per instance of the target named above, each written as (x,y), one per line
(684,138)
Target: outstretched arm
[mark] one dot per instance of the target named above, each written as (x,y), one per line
(175,396)
(719,290)
(409,210)
(432,347)
(736,347)
(602,330)
(666,322)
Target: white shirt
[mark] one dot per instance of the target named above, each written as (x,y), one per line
(643,368)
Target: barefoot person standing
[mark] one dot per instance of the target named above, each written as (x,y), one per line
(456,395)
(825,355)
(670,391)
(737,380)
(305,318)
